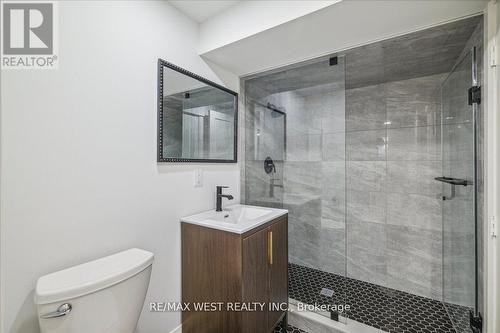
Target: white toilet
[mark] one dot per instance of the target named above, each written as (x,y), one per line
(101,296)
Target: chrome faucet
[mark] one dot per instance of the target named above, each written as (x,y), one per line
(272,185)
(219,196)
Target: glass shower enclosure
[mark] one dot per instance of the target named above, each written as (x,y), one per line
(376,154)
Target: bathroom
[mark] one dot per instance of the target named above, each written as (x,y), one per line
(359,135)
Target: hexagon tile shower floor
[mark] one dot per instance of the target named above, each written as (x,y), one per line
(289,329)
(387,309)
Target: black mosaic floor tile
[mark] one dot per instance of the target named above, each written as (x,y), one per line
(460,317)
(387,309)
(289,329)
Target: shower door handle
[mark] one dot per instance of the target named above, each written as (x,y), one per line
(453,182)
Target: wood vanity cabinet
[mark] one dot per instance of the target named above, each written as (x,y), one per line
(220,266)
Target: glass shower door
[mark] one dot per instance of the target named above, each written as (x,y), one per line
(459,195)
(295,159)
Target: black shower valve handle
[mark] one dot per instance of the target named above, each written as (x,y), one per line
(269,165)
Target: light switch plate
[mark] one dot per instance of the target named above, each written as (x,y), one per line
(198,178)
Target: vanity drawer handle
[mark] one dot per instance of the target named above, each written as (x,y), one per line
(270,246)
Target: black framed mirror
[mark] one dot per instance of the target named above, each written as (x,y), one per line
(197,118)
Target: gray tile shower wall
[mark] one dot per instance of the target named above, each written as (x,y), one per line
(393,215)
(367,165)
(374,175)
(313,98)
(318,179)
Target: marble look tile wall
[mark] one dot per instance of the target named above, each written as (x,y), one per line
(393,153)
(358,180)
(313,175)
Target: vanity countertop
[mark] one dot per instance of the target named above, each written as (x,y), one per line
(235,218)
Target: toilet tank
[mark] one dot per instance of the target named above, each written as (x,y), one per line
(104,295)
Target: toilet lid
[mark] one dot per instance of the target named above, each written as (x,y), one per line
(92,276)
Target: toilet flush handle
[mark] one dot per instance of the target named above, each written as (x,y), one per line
(62,310)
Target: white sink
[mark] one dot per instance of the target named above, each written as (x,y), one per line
(235,218)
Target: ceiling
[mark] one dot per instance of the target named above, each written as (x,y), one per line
(201,10)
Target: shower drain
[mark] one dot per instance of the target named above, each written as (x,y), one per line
(326,292)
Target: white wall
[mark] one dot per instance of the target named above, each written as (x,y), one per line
(495,312)
(492,163)
(79,173)
(248,18)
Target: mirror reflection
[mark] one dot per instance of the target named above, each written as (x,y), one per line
(198,120)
